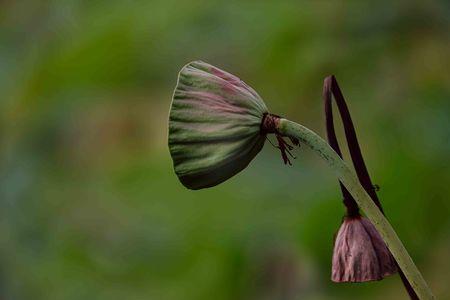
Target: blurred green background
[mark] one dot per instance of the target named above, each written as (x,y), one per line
(90,207)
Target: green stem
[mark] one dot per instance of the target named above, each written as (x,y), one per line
(349,180)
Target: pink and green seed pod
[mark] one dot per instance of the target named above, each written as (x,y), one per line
(214,125)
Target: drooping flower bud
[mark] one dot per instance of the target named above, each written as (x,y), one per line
(217,125)
(360,253)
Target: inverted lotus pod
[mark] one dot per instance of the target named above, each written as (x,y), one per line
(360,253)
(214,125)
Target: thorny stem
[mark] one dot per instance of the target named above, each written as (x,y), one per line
(350,181)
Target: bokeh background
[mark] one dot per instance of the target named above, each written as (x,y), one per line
(90,207)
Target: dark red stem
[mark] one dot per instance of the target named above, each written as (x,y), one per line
(331,86)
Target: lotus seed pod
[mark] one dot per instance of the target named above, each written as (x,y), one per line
(360,253)
(214,125)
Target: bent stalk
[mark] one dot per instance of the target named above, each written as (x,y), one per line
(349,180)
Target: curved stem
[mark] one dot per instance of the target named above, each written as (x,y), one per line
(330,86)
(350,181)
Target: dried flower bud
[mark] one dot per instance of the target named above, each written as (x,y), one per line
(360,253)
(214,125)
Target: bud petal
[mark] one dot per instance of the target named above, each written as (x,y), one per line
(214,125)
(360,253)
